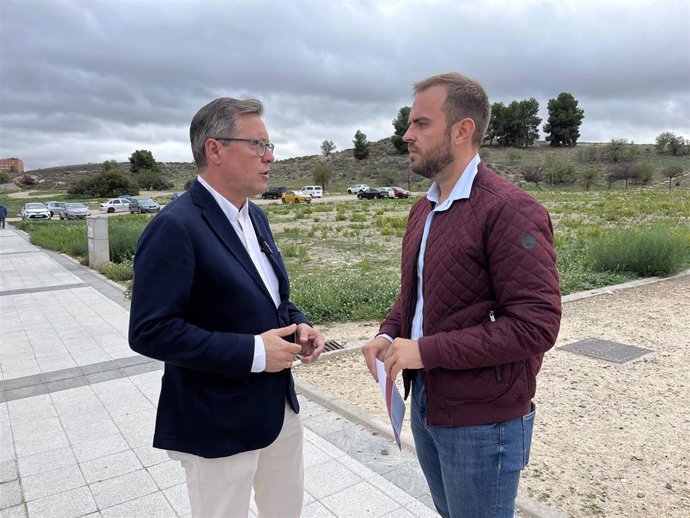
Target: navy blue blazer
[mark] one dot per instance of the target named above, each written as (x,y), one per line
(197,302)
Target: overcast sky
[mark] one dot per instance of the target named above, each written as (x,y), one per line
(88,81)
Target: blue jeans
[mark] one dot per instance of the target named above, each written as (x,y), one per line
(472,471)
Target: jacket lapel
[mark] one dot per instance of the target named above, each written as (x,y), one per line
(222,228)
(263,232)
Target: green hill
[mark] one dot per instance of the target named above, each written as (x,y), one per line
(297,172)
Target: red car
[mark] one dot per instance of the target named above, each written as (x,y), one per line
(400,193)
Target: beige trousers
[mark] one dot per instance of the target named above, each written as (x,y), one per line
(221,488)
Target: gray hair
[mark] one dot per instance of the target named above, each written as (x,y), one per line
(466,99)
(218,118)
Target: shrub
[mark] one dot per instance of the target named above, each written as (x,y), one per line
(387,176)
(152,180)
(27,181)
(645,252)
(117,271)
(104,185)
(588,177)
(533,174)
(646,173)
(587,154)
(559,171)
(392,221)
(514,156)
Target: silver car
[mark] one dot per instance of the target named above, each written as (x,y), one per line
(55,207)
(75,211)
(142,205)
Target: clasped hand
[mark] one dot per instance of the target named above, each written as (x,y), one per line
(280,353)
(396,356)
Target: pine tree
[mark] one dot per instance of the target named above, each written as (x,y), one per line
(361,150)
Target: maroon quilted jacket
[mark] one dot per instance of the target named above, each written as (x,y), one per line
(487,257)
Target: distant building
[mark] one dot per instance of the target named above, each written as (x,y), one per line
(9,164)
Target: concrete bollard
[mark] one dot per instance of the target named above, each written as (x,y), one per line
(97,234)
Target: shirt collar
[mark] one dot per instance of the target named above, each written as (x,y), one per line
(231,212)
(461,189)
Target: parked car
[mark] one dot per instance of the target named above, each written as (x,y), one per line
(400,192)
(315,191)
(295,197)
(359,187)
(388,190)
(35,211)
(372,194)
(55,207)
(127,197)
(273,193)
(75,211)
(175,195)
(115,205)
(141,205)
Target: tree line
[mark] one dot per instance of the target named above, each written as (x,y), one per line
(517,125)
(622,162)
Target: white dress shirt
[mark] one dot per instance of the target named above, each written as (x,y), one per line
(242,224)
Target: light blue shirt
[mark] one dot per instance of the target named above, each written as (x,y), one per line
(460,191)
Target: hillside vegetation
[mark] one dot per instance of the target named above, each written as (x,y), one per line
(384,163)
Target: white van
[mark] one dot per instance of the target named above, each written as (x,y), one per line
(314,190)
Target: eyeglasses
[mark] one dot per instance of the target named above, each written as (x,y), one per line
(261,146)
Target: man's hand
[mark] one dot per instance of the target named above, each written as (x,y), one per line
(311,341)
(402,354)
(375,348)
(279,353)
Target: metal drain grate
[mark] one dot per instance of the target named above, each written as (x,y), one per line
(331,345)
(606,350)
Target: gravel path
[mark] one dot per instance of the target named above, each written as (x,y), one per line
(610,439)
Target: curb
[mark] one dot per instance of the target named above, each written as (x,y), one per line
(608,290)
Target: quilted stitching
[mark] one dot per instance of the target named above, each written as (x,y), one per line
(492,251)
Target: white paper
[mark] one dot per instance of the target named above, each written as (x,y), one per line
(393,400)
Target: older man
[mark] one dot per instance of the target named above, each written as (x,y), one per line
(211,300)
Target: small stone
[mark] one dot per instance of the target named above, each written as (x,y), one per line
(384,451)
(374,433)
(640,495)
(668,485)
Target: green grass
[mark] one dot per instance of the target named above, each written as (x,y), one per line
(330,296)
(345,266)
(69,237)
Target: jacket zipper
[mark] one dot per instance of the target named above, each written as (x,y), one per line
(499,375)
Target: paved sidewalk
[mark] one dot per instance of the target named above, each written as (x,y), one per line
(77,409)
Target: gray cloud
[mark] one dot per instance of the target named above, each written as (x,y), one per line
(86,81)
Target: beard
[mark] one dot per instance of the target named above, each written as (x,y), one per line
(431,162)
